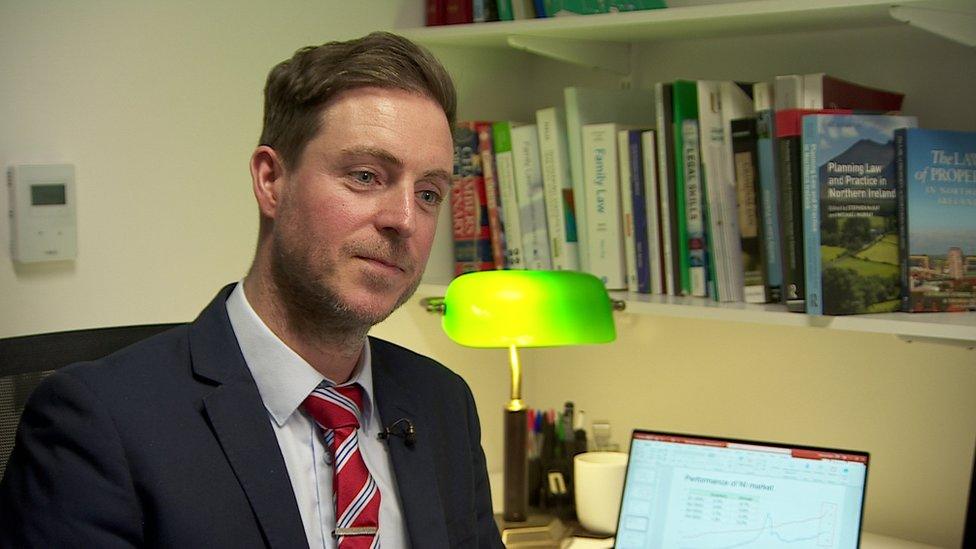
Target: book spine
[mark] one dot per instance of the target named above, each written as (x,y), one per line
(469,215)
(694,214)
(505,12)
(666,187)
(505,175)
(811,218)
(769,200)
(457,12)
(791,221)
(574,147)
(626,179)
(495,226)
(685,108)
(603,204)
(652,206)
(530,195)
(745,162)
(712,146)
(901,180)
(560,216)
(638,197)
(435,12)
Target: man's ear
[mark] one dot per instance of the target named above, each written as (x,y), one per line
(267,179)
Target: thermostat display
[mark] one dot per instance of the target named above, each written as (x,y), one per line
(42,212)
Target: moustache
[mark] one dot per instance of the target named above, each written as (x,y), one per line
(391,253)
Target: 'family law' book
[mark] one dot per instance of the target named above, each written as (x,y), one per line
(850,213)
(937,213)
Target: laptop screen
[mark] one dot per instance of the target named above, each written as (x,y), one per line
(686,491)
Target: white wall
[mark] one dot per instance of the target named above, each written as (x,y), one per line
(158,105)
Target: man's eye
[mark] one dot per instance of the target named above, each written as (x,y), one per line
(363,176)
(430,197)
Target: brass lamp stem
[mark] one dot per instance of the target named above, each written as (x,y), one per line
(515,404)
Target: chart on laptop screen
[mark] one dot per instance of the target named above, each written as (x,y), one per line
(686,492)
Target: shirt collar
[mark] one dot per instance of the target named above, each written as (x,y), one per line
(283,377)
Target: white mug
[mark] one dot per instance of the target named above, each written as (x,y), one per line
(598,479)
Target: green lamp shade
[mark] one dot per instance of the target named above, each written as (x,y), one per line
(491,309)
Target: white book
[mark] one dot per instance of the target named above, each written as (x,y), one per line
(590,106)
(712,142)
(505,177)
(604,225)
(627,207)
(557,182)
(736,103)
(664,127)
(718,104)
(788,92)
(655,255)
(531,197)
(694,215)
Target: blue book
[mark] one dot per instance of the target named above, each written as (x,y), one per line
(937,219)
(638,194)
(769,201)
(850,218)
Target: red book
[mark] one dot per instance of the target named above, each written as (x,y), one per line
(436,12)
(458,12)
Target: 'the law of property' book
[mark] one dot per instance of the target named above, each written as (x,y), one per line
(937,214)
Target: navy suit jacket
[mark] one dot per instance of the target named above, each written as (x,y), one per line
(167,443)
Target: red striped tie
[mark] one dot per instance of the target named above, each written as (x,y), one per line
(357,497)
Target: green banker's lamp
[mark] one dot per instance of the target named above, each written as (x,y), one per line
(512,309)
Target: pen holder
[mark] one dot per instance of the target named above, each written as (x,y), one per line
(550,479)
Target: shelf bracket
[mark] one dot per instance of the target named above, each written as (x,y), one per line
(956,24)
(611,56)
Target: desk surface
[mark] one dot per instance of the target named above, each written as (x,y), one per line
(868,541)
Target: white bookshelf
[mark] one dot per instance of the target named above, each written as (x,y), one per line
(678,42)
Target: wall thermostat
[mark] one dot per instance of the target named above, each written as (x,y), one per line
(43,224)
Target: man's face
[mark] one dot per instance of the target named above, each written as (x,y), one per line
(356,216)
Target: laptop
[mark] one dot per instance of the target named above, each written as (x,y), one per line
(701,492)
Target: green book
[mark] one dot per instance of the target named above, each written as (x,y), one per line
(685,107)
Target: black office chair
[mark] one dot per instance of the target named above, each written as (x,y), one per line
(26,360)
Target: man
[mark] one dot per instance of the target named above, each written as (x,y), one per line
(223,433)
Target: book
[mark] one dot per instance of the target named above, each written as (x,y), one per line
(823,91)
(557,8)
(936,174)
(560,206)
(789,182)
(664,120)
(501,137)
(768,196)
(625,177)
(651,226)
(435,12)
(850,213)
(530,196)
(484,11)
(458,12)
(469,204)
(495,227)
(604,229)
(745,157)
(692,278)
(718,103)
(597,105)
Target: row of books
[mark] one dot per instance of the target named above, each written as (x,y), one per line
(455,12)
(783,191)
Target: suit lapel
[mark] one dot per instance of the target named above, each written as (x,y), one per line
(240,423)
(413,466)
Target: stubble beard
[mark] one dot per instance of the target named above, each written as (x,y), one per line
(314,306)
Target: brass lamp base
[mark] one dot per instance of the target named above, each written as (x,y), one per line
(537,531)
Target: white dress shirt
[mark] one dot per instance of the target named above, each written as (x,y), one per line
(284,379)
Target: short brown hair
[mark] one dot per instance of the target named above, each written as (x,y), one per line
(298,88)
